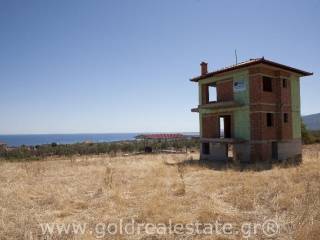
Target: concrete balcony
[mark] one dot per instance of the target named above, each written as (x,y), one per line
(217,105)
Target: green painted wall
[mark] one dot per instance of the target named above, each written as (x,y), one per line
(295,103)
(296,125)
(242,124)
(200,92)
(243,96)
(295,93)
(242,116)
(200,122)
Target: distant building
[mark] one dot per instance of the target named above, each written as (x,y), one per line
(253,106)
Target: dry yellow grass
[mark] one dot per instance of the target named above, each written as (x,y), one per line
(157,189)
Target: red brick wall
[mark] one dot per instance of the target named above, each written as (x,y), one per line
(210,126)
(256,123)
(259,128)
(261,151)
(204,94)
(286,93)
(257,95)
(225,91)
(255,83)
(277,102)
(286,127)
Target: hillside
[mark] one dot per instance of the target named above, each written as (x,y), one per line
(312,121)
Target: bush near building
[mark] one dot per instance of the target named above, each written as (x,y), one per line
(309,137)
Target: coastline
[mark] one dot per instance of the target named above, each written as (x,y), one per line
(17,140)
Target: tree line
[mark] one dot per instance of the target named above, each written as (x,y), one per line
(41,151)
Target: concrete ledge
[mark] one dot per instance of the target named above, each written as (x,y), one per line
(226,104)
(222,140)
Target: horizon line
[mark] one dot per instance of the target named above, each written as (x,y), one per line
(15,134)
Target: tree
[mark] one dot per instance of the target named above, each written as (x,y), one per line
(307,137)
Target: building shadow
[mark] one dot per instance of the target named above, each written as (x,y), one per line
(236,166)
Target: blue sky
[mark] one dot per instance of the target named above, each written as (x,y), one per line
(123,66)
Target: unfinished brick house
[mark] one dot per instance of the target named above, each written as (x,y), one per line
(254,107)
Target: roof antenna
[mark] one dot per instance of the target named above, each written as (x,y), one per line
(235,53)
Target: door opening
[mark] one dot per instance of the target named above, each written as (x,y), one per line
(274,150)
(225,126)
(205,148)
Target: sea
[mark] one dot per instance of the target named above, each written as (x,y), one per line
(39,139)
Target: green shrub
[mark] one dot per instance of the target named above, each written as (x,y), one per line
(307,137)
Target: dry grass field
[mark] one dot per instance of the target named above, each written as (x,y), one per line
(157,189)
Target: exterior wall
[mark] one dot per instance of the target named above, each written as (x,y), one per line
(255,82)
(218,152)
(242,152)
(280,130)
(200,123)
(267,133)
(256,123)
(281,100)
(286,92)
(225,90)
(242,116)
(260,130)
(296,115)
(287,128)
(277,102)
(261,151)
(242,97)
(278,95)
(204,89)
(241,119)
(257,95)
(290,149)
(210,126)
(296,121)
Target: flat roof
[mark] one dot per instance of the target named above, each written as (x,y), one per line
(252,62)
